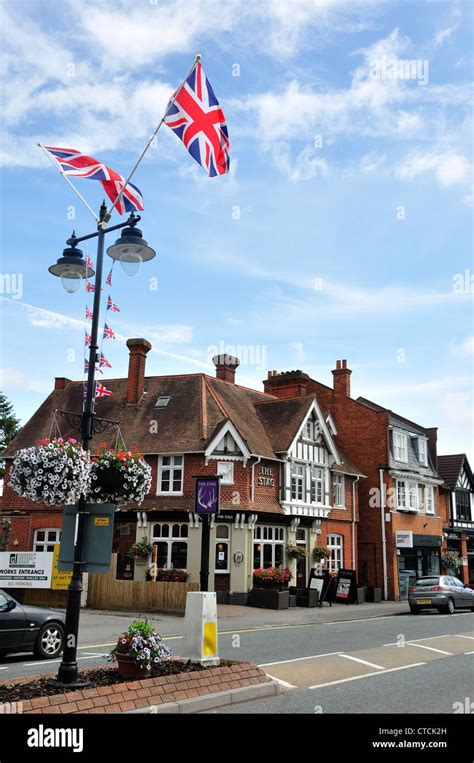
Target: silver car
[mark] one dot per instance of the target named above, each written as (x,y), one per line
(442,592)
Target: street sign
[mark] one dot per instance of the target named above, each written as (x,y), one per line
(207,495)
(25,569)
(97,540)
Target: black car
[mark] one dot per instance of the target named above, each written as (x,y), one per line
(24,628)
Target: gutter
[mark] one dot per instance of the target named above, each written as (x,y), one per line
(384,539)
(253,476)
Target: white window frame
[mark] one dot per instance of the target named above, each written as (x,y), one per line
(170,539)
(400,446)
(338,480)
(423,451)
(273,535)
(317,485)
(45,543)
(335,545)
(298,480)
(429,499)
(226,466)
(408,492)
(172,468)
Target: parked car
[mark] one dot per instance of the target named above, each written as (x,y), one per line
(24,628)
(445,593)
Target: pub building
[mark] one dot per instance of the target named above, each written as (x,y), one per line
(459,529)
(283,480)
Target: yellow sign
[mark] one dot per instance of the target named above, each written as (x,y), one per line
(101,521)
(59,580)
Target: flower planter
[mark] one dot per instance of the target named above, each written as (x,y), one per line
(140,560)
(269,598)
(128,668)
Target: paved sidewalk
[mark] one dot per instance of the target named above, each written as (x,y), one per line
(236,618)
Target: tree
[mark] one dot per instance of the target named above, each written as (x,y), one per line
(9,427)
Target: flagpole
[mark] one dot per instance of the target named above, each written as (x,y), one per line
(61,172)
(109,213)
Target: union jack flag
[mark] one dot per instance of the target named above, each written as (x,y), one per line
(101,391)
(103,361)
(108,333)
(89,286)
(88,340)
(76,164)
(111,306)
(88,314)
(108,280)
(196,117)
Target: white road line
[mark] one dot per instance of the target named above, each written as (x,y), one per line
(364,662)
(282,682)
(297,659)
(460,635)
(366,675)
(49,662)
(457,614)
(468,652)
(5,668)
(413,640)
(431,648)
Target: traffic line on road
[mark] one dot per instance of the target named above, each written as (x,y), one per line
(364,662)
(366,675)
(431,648)
(283,683)
(461,635)
(297,659)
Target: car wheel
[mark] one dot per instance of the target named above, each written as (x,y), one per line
(49,642)
(450,608)
(415,610)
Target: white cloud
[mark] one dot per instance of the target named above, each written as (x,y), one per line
(449,168)
(15,380)
(465,348)
(371,162)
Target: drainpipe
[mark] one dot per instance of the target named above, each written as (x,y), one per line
(253,475)
(384,539)
(353,521)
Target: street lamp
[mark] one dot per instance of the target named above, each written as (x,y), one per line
(72,268)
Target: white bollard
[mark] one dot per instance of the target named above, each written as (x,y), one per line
(200,629)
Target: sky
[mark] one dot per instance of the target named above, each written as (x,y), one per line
(343,230)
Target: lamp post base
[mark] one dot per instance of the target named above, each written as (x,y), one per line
(55,683)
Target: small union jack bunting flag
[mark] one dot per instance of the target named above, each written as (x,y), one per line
(89,286)
(111,306)
(108,333)
(88,340)
(86,368)
(104,362)
(88,313)
(101,391)
(108,280)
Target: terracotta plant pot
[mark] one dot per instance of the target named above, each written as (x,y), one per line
(127,667)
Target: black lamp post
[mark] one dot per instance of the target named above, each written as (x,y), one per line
(130,250)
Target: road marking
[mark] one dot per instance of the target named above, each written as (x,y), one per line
(459,635)
(49,662)
(297,659)
(457,614)
(413,640)
(364,662)
(431,648)
(468,652)
(283,683)
(366,675)
(5,668)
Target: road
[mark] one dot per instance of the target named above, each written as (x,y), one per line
(392,664)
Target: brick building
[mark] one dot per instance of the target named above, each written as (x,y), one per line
(402,514)
(283,478)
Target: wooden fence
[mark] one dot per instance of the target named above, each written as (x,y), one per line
(106,592)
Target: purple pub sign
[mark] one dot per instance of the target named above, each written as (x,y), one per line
(207,495)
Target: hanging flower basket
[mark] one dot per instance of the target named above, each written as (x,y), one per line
(450,560)
(295,552)
(119,476)
(138,650)
(53,472)
(140,550)
(320,553)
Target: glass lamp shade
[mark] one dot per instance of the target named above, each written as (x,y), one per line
(131,250)
(71,268)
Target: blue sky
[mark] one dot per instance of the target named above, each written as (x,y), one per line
(344,229)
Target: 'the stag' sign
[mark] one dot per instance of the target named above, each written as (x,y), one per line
(207,495)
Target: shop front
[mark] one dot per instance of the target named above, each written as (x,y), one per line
(417,556)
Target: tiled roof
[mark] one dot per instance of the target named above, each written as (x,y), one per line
(394,417)
(449,468)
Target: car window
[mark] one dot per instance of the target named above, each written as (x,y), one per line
(457,582)
(427,582)
(448,580)
(3,602)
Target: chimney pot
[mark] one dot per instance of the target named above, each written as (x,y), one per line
(136,368)
(341,380)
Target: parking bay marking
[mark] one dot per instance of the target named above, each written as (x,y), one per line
(366,675)
(431,648)
(364,662)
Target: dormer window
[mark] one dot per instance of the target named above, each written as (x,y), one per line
(400,446)
(422,452)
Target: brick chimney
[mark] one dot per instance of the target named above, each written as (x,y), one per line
(225,367)
(136,368)
(341,380)
(286,384)
(60,382)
